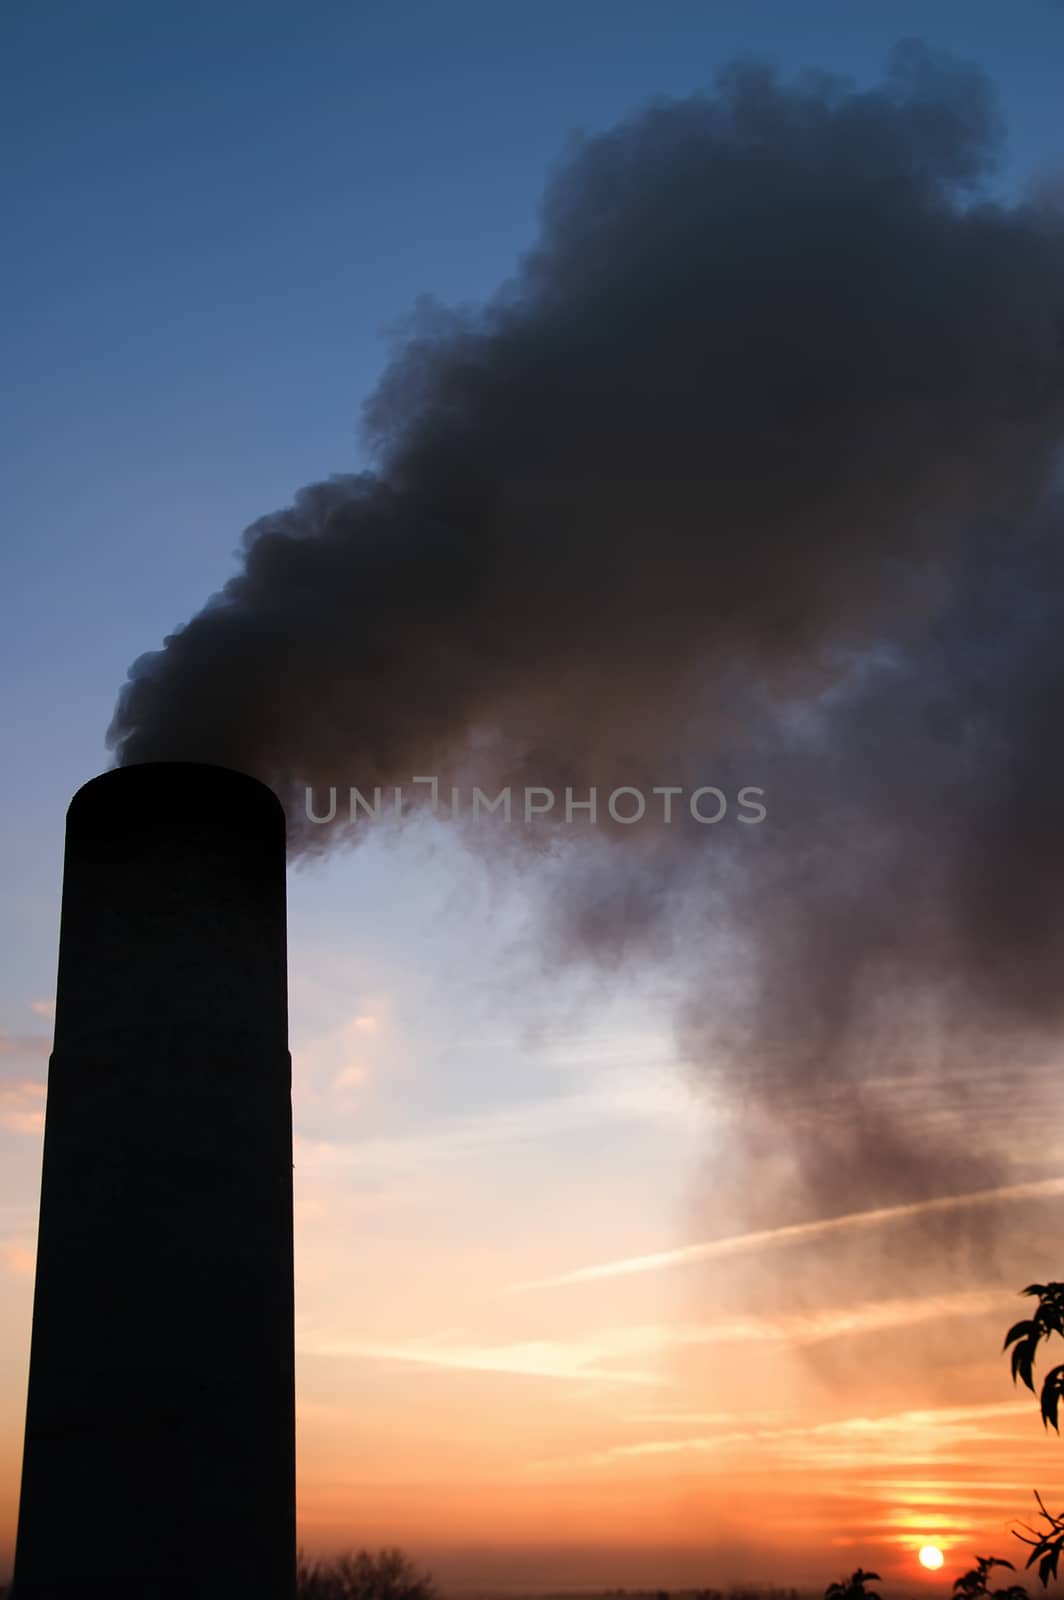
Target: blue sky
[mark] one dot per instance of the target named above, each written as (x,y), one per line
(215,213)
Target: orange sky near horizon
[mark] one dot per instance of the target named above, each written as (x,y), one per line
(537,1345)
(587,1295)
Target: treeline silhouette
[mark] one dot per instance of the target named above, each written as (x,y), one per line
(735,1592)
(359,1575)
(354,1575)
(390,1575)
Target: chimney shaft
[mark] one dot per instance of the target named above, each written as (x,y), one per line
(160,1426)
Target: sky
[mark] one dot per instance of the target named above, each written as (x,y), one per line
(219,214)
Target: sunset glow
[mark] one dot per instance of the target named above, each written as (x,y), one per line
(621,400)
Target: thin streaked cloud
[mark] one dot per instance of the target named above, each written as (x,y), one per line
(870,1316)
(530,1358)
(892,1436)
(633,1354)
(798,1233)
(22,1106)
(878,1316)
(622,1100)
(32,1045)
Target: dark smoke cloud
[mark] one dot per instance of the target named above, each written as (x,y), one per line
(744,477)
(876,976)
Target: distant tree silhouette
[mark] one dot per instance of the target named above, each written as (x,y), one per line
(974,1585)
(359,1575)
(854,1587)
(749,1592)
(1025,1337)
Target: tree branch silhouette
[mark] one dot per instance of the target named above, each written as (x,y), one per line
(1026,1337)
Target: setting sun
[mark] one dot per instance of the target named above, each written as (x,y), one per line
(931,1557)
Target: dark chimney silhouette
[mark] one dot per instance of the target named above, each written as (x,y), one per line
(160,1426)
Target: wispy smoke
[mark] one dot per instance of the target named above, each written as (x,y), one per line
(746,471)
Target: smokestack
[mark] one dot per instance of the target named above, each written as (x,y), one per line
(160,1427)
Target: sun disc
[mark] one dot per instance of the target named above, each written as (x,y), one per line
(931,1557)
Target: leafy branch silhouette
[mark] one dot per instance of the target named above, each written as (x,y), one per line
(1025,1338)
(974,1584)
(853,1587)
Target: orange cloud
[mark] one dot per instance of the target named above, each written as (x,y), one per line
(19,1259)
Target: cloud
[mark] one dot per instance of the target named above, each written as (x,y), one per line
(633,1354)
(622,1098)
(833,1322)
(893,1438)
(802,1232)
(542,1358)
(22,1096)
(31,1046)
(19,1259)
(22,1106)
(347,1056)
(353,1076)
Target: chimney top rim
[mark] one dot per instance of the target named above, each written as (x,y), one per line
(196,780)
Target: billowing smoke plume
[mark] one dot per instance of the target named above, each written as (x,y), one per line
(745,477)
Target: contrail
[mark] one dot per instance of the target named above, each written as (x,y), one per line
(797,1233)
